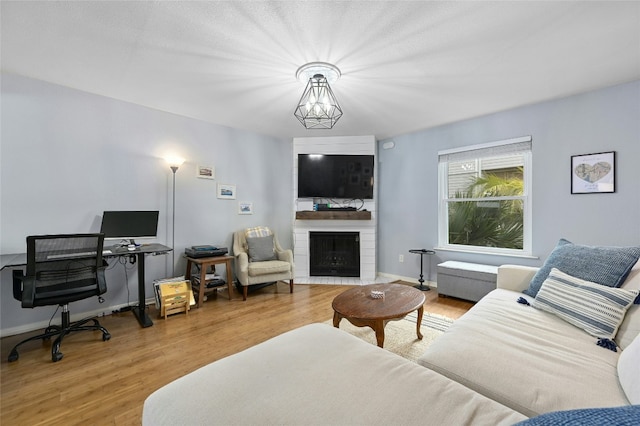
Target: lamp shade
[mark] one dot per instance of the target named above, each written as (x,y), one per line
(318,107)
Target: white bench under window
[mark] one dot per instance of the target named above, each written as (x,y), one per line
(469,281)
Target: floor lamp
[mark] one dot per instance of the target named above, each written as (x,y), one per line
(174,164)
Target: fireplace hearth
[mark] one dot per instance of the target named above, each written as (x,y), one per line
(334,254)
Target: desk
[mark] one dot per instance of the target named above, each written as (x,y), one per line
(20,259)
(204,263)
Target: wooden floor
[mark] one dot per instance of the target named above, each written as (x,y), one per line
(106,383)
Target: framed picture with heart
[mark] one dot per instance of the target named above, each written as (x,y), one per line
(593,173)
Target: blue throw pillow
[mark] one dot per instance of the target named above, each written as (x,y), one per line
(620,416)
(608,266)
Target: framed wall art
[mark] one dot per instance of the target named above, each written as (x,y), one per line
(206,172)
(227,192)
(593,173)
(245,208)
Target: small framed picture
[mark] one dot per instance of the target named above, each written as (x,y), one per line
(245,208)
(206,172)
(227,192)
(593,173)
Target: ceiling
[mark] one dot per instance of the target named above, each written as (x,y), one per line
(406,65)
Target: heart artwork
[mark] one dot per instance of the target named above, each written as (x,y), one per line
(592,172)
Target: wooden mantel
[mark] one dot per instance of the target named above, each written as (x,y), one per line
(334,215)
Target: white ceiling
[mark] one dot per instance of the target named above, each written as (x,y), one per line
(406,66)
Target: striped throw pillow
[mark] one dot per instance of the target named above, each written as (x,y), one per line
(595,308)
(258,231)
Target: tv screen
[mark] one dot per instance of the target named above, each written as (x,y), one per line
(128,225)
(335,176)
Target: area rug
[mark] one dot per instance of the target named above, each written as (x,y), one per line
(400,336)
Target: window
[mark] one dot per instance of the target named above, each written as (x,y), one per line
(485,197)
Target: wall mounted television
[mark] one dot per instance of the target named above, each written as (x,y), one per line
(335,176)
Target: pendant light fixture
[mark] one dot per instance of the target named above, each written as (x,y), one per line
(318,107)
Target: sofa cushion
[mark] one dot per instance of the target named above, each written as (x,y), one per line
(319,375)
(525,358)
(630,327)
(608,266)
(268,267)
(597,309)
(629,371)
(261,249)
(620,416)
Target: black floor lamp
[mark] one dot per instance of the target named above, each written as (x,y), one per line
(174,164)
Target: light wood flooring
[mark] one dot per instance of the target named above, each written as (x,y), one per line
(106,383)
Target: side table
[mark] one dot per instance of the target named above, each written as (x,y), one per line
(422,252)
(204,263)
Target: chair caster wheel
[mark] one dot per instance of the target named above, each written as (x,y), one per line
(56,356)
(13,356)
(106,336)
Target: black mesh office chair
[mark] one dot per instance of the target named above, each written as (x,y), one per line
(61,269)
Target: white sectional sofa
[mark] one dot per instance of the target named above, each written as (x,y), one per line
(319,375)
(532,360)
(500,363)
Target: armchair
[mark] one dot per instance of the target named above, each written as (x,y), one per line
(260,259)
(61,269)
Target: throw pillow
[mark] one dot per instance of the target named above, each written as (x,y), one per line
(608,266)
(629,371)
(628,415)
(595,308)
(257,231)
(261,249)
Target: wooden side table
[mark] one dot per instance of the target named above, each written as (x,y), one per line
(204,263)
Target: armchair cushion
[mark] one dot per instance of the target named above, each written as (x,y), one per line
(257,269)
(261,248)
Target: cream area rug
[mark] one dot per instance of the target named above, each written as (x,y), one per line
(400,336)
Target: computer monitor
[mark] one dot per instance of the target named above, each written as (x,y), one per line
(129,225)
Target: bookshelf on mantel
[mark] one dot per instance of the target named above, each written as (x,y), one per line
(334,215)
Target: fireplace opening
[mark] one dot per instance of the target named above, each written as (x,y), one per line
(335,254)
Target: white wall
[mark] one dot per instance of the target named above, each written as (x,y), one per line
(602,120)
(66,156)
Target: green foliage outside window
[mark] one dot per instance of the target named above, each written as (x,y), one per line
(489,212)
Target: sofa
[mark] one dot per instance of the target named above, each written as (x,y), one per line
(506,361)
(533,361)
(319,375)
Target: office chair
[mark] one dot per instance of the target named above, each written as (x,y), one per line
(61,269)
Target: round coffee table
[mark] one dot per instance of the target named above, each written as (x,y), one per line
(361,309)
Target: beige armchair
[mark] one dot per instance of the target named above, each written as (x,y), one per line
(260,258)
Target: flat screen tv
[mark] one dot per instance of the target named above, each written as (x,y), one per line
(129,225)
(335,176)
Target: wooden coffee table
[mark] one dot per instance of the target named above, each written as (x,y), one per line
(361,309)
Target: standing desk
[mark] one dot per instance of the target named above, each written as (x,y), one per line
(20,259)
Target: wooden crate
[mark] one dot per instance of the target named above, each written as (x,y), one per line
(175,297)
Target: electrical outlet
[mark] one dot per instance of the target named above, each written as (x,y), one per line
(401,258)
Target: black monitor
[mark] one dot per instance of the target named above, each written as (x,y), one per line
(129,225)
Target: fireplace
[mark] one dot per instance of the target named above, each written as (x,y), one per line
(334,254)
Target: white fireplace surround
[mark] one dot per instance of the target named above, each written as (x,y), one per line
(350,145)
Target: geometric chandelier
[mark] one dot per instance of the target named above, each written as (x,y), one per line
(318,107)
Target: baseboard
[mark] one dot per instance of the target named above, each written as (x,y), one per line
(101,312)
(412,280)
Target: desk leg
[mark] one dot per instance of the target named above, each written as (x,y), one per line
(140,312)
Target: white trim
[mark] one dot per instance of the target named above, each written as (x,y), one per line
(485,145)
(444,200)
